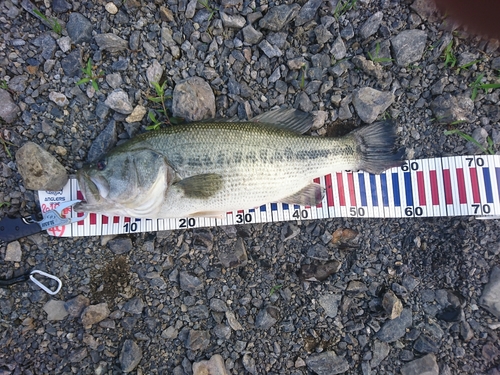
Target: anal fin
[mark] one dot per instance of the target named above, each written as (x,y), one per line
(311,195)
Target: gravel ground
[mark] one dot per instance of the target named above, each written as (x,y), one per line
(409,296)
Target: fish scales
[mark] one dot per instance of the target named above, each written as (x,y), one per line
(209,168)
(227,144)
(251,159)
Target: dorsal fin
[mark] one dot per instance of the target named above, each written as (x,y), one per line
(287,119)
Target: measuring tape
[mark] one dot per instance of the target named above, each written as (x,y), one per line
(448,186)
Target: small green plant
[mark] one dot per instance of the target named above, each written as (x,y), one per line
(487,150)
(159,98)
(53,22)
(476,85)
(207,6)
(376,58)
(449,57)
(469,64)
(274,289)
(302,83)
(88,71)
(343,6)
(458,122)
(386,116)
(5,145)
(5,86)
(4,204)
(155,122)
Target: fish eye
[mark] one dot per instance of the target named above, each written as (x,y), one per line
(101,164)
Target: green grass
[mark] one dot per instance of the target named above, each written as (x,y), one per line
(343,6)
(302,83)
(274,289)
(4,85)
(386,116)
(450,60)
(4,204)
(88,71)
(53,22)
(5,145)
(487,150)
(160,98)
(449,56)
(476,85)
(206,5)
(375,58)
(469,64)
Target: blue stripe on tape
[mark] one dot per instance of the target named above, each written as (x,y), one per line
(487,185)
(409,195)
(395,190)
(385,193)
(373,189)
(362,188)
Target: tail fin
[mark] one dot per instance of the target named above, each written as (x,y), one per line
(376,144)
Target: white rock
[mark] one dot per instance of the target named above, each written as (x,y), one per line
(330,303)
(13,253)
(93,314)
(64,43)
(137,114)
(233,322)
(319,119)
(370,103)
(59,98)
(425,365)
(111,8)
(118,100)
(154,72)
(55,310)
(214,366)
(193,99)
(490,298)
(39,169)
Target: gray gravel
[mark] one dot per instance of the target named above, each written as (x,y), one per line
(337,296)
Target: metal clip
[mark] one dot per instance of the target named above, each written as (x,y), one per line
(42,286)
(55,218)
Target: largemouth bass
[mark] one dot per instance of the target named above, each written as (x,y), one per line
(212,167)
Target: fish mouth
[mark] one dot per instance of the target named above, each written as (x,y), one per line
(94,189)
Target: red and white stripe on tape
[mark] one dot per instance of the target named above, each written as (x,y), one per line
(447,186)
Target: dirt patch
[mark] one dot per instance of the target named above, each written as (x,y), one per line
(340,128)
(107,283)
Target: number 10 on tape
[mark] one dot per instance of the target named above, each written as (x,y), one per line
(447,186)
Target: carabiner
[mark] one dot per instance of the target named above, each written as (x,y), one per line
(42,286)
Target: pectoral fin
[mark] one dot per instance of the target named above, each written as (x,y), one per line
(201,186)
(311,195)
